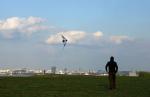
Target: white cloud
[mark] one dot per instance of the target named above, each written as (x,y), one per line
(119,39)
(98,34)
(13,26)
(72,37)
(54,39)
(26,26)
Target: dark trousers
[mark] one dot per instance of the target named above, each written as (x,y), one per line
(112,80)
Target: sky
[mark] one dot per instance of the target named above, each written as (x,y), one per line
(30,34)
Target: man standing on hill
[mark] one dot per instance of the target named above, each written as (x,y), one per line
(112,68)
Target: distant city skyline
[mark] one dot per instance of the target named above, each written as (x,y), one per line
(30,34)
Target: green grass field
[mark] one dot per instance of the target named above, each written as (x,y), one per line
(73,86)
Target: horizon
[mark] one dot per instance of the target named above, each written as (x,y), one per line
(30,34)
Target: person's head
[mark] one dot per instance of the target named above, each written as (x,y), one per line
(111,58)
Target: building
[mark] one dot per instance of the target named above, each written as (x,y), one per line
(53,70)
(5,72)
(133,73)
(21,73)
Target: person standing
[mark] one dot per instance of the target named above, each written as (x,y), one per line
(112,68)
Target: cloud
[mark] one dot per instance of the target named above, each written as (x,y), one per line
(53,39)
(75,36)
(72,37)
(16,26)
(26,26)
(98,34)
(120,39)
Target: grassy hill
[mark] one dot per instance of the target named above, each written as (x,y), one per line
(73,86)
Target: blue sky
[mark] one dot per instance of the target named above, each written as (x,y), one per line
(96,29)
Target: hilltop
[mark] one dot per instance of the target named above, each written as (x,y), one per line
(73,86)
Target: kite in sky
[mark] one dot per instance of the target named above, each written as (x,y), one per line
(64,41)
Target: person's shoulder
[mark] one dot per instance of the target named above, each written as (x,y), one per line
(115,62)
(108,62)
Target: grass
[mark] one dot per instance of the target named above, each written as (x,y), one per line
(73,86)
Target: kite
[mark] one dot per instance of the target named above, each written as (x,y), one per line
(64,41)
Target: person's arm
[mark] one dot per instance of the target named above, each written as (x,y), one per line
(116,68)
(106,67)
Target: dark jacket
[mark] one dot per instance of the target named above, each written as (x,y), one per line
(111,67)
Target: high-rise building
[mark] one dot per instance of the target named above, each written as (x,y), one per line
(53,70)
(65,71)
